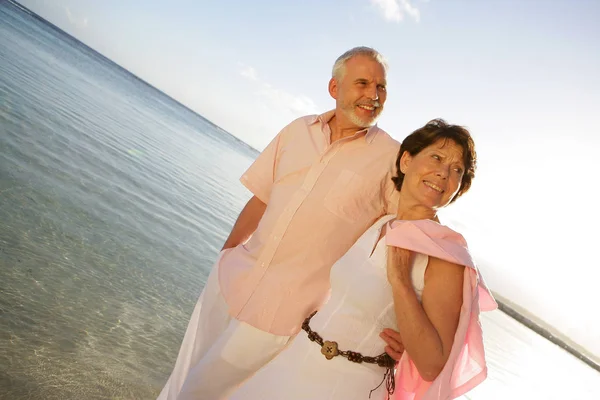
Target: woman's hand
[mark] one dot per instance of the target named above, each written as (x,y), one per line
(410,213)
(400,260)
(399,266)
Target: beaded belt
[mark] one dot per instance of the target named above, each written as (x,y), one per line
(330,349)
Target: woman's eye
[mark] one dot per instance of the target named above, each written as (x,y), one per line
(458,170)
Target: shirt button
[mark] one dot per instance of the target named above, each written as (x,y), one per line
(262,264)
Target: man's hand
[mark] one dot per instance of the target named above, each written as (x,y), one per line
(394,347)
(246,223)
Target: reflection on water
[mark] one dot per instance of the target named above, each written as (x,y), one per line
(76,307)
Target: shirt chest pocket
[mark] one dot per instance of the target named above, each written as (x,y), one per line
(351,196)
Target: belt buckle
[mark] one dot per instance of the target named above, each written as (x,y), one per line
(329,349)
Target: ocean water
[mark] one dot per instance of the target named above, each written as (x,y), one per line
(114,201)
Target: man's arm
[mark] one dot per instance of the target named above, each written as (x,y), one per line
(246,223)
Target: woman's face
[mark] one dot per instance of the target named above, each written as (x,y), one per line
(433,176)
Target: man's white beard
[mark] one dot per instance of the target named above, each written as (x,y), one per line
(356,120)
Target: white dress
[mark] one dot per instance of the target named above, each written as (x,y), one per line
(360,307)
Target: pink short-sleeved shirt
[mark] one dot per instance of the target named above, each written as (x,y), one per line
(321,197)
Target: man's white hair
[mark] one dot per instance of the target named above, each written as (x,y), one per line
(339,67)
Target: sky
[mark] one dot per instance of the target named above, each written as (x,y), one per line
(521,75)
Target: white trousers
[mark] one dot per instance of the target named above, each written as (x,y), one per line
(218,352)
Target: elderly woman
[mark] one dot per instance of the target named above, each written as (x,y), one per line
(425,286)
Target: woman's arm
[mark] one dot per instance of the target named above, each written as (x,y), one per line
(427,330)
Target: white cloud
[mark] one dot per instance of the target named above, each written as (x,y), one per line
(78,22)
(249,72)
(277,100)
(267,108)
(297,105)
(396,10)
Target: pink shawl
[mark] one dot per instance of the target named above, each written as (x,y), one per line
(466,367)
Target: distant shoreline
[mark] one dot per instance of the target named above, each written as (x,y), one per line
(522,316)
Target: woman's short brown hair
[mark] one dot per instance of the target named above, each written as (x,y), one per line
(434,130)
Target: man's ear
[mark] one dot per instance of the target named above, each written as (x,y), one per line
(333,88)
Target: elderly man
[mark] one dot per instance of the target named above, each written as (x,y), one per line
(321,182)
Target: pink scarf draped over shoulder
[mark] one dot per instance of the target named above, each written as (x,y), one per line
(466,366)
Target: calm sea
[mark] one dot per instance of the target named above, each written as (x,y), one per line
(114,200)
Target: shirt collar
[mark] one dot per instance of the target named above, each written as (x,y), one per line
(324,118)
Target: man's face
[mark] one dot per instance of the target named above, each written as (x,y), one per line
(360,92)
